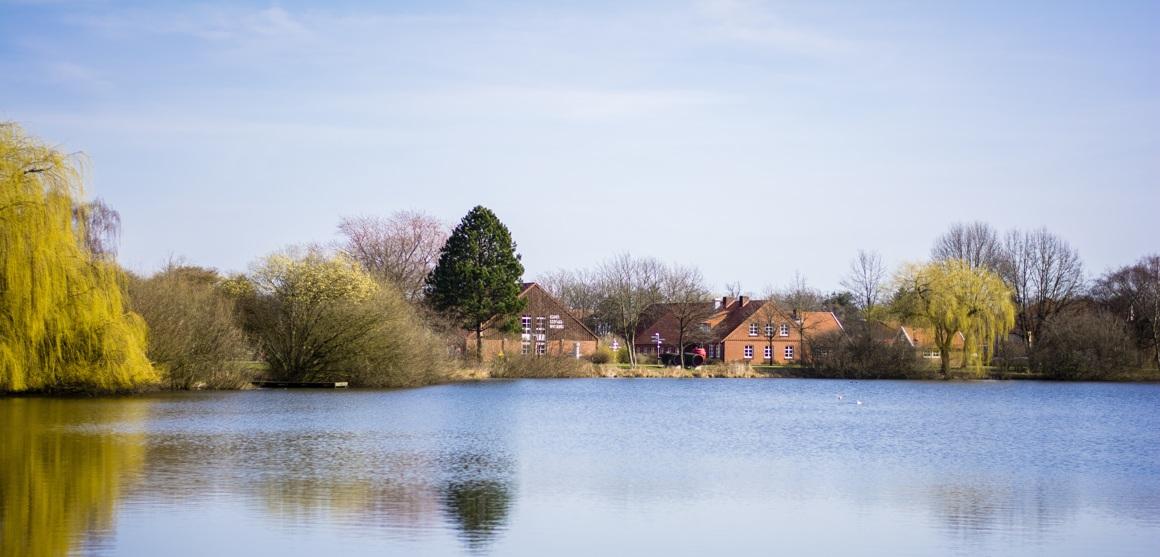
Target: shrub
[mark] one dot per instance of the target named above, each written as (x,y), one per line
(540,367)
(622,353)
(1083,344)
(323,318)
(194,339)
(603,355)
(858,355)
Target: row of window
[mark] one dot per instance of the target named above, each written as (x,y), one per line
(782,330)
(542,348)
(526,324)
(526,347)
(716,351)
(786,354)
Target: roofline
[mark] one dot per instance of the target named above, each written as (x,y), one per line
(567,310)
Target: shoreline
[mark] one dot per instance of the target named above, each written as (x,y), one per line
(613,371)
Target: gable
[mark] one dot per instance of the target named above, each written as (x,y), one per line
(543,310)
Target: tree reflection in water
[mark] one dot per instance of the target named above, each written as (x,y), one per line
(479,509)
(62,470)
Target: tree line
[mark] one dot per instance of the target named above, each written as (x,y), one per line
(393,300)
(370,309)
(1019,300)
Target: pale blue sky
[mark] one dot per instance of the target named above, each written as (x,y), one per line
(752,139)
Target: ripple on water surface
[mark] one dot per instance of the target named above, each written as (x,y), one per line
(682,467)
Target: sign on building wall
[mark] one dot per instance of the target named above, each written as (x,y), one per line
(554,322)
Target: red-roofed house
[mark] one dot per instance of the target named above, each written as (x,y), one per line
(734,332)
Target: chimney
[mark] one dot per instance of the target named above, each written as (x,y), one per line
(725,301)
(743,300)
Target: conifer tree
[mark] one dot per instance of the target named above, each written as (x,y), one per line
(477,279)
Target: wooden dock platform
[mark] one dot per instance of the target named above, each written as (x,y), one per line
(300,384)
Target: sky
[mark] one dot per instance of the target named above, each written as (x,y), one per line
(753,140)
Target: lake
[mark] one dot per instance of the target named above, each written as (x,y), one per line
(587,467)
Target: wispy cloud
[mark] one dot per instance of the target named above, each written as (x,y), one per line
(753,22)
(218,24)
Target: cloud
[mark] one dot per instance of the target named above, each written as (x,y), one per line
(750,22)
(217,24)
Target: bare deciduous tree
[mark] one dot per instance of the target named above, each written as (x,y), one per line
(794,301)
(579,290)
(688,300)
(402,248)
(769,317)
(865,279)
(1045,274)
(1133,294)
(631,287)
(976,243)
(100,227)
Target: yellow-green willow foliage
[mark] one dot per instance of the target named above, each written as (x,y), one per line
(58,483)
(950,298)
(63,324)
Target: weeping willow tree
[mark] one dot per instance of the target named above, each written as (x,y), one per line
(63,323)
(60,483)
(952,297)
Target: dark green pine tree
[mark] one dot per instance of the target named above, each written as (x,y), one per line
(477,279)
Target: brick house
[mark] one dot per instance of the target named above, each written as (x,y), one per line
(736,331)
(545,327)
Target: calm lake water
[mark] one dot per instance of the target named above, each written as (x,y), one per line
(588,467)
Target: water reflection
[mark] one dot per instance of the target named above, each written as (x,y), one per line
(477,498)
(517,468)
(61,474)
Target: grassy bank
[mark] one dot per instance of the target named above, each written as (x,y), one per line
(543,368)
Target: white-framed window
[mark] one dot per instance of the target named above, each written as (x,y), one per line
(769,330)
(753,329)
(539,324)
(541,348)
(784,331)
(789,351)
(768,353)
(525,347)
(526,324)
(576,350)
(748,352)
(931,354)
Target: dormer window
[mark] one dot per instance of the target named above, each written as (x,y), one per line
(769,330)
(784,330)
(753,329)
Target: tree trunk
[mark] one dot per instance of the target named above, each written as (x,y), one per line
(681,346)
(945,361)
(479,343)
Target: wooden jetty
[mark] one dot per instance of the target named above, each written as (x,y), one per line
(300,384)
